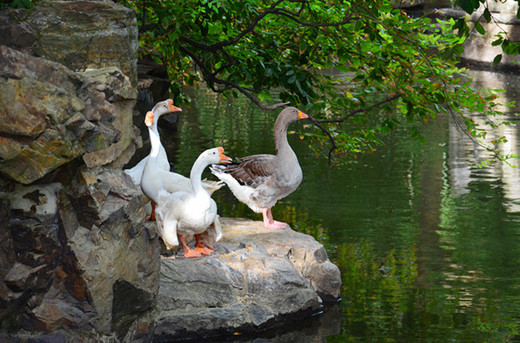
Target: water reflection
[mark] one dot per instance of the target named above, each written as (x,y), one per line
(428,245)
(465,152)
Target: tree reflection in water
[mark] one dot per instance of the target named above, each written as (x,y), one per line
(428,245)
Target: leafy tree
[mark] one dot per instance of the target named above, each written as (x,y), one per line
(391,70)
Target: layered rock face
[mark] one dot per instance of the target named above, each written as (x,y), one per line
(52,115)
(78,34)
(74,251)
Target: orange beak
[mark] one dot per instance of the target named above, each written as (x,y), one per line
(148,120)
(223,158)
(302,115)
(173,108)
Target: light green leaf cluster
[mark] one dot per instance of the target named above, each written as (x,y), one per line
(361,68)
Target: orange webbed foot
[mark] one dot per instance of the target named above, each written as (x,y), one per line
(203,250)
(191,253)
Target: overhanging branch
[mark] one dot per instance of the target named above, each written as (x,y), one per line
(359,110)
(211,79)
(318,122)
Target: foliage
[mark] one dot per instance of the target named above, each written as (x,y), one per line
(18,3)
(502,39)
(361,68)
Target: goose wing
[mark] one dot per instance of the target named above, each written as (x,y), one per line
(252,170)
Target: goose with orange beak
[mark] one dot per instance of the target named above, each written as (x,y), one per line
(259,181)
(184,215)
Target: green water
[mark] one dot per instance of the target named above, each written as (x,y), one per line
(428,246)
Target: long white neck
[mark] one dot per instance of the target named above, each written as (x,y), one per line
(155,140)
(196,176)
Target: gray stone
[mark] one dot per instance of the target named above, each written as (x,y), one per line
(66,249)
(257,278)
(80,35)
(60,115)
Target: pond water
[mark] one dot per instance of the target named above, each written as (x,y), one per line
(428,246)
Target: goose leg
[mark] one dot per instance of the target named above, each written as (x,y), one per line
(202,247)
(187,251)
(269,222)
(152,215)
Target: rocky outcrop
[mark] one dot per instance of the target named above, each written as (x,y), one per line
(52,115)
(71,253)
(258,278)
(75,253)
(80,35)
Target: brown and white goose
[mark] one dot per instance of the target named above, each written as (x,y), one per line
(259,181)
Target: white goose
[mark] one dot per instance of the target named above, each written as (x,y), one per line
(158,110)
(182,215)
(158,175)
(260,181)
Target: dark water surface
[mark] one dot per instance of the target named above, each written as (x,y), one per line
(428,246)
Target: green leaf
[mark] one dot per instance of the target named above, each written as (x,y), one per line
(497,59)
(487,15)
(469,6)
(480,28)
(497,42)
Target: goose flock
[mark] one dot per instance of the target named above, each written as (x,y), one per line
(183,208)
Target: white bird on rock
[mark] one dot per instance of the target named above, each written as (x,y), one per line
(154,174)
(136,172)
(182,215)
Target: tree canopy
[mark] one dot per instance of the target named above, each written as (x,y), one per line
(360,68)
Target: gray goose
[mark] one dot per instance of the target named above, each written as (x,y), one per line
(259,181)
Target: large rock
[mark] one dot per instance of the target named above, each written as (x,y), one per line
(78,256)
(78,34)
(50,115)
(257,279)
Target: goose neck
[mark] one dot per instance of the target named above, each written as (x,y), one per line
(280,137)
(196,176)
(155,141)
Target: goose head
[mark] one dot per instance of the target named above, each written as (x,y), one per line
(291,114)
(164,107)
(215,156)
(148,119)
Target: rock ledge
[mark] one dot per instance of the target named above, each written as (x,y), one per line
(257,279)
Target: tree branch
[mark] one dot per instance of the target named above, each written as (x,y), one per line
(271,10)
(233,41)
(318,122)
(359,110)
(329,134)
(211,79)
